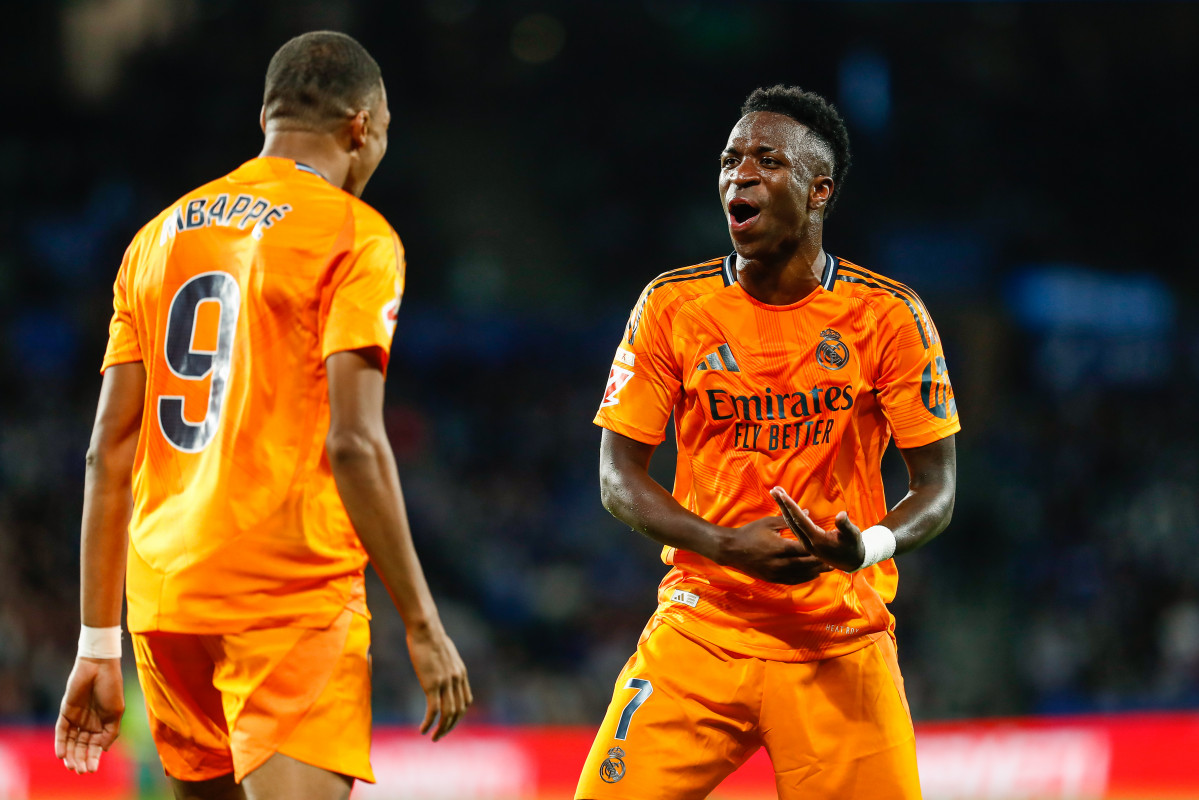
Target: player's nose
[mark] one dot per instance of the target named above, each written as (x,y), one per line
(744,174)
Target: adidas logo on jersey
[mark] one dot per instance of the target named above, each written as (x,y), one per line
(720,359)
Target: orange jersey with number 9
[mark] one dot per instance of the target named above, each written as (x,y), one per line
(233,298)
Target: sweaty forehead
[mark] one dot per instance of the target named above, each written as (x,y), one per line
(769,129)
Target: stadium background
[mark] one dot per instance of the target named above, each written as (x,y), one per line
(1026,167)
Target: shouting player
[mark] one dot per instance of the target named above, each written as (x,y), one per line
(787,370)
(239,476)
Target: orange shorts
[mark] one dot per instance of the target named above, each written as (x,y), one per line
(226,703)
(686,713)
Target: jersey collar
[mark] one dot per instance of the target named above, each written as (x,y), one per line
(827,278)
(305,168)
(729,270)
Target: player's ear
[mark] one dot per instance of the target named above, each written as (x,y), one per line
(262,119)
(359,129)
(820,192)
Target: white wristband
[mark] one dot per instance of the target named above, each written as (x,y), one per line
(879,541)
(100,642)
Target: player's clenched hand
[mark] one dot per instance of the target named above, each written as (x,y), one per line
(758,549)
(442,675)
(89,719)
(840,547)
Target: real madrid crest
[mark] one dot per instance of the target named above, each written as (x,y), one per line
(831,353)
(612,767)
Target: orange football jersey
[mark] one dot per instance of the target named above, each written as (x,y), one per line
(233,298)
(804,396)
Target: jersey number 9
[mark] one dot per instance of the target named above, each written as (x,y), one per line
(190,363)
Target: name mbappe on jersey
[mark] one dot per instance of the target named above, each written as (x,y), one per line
(201,212)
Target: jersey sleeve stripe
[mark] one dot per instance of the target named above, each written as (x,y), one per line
(895,286)
(907,301)
(710,274)
(886,283)
(898,287)
(689,270)
(635,319)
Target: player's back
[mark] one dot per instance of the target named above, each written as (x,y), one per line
(233,298)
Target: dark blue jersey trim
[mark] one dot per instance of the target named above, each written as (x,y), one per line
(829,276)
(848,278)
(306,168)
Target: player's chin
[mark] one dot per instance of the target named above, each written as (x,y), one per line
(749,245)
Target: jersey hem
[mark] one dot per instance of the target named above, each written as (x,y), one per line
(928,437)
(641,435)
(308,620)
(348,347)
(116,361)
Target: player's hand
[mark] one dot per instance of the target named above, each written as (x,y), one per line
(759,550)
(442,675)
(89,719)
(840,547)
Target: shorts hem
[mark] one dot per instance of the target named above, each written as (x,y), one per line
(195,774)
(359,773)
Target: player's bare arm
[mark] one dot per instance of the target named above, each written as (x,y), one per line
(89,718)
(915,520)
(636,499)
(367,480)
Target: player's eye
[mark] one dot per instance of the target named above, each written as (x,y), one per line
(728,161)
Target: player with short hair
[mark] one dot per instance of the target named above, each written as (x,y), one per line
(239,476)
(787,370)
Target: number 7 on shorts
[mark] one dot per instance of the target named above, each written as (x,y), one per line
(644,690)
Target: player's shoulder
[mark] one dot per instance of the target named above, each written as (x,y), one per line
(885,296)
(216,186)
(175,216)
(368,222)
(663,296)
(359,221)
(149,232)
(854,280)
(686,283)
(319,202)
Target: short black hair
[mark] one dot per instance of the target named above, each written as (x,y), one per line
(318,79)
(819,115)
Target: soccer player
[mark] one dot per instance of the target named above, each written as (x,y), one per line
(788,370)
(239,475)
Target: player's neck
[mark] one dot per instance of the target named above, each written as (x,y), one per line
(780,279)
(319,151)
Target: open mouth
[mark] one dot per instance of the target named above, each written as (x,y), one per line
(742,211)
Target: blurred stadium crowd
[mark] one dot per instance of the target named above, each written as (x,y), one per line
(1023,166)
